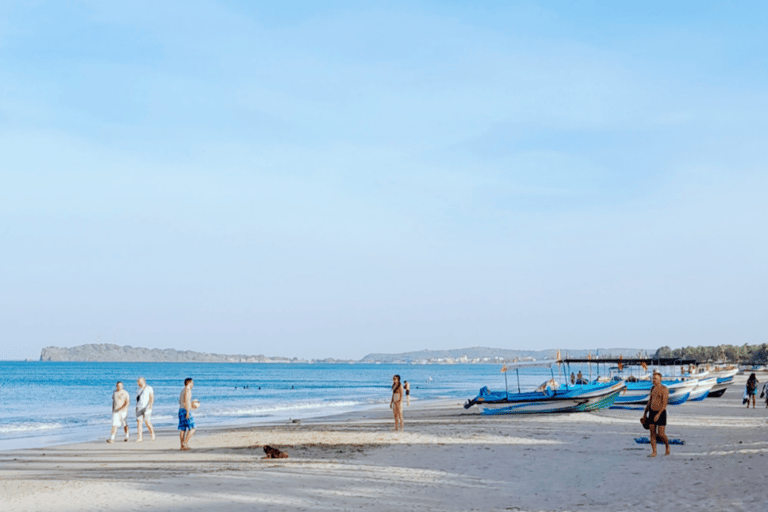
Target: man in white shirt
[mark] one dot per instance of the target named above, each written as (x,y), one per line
(144,401)
(120,400)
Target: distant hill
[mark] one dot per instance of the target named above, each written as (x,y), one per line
(474,353)
(107,352)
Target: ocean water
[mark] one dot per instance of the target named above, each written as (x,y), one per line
(45,403)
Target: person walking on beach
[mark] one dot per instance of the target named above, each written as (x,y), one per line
(656,413)
(396,404)
(144,401)
(764,393)
(407,388)
(186,421)
(120,401)
(752,383)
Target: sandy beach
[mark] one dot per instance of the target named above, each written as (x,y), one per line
(447,459)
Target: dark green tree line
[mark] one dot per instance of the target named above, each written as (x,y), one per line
(728,353)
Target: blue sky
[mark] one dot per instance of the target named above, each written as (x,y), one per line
(329,179)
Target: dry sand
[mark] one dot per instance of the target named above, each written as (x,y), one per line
(447,459)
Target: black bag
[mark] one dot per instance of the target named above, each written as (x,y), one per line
(644,423)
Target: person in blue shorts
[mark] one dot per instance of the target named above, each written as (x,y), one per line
(186,421)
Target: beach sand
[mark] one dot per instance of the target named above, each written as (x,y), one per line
(447,459)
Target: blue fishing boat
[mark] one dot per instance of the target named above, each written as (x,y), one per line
(550,397)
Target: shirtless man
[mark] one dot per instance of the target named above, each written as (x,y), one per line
(656,413)
(186,421)
(144,401)
(120,400)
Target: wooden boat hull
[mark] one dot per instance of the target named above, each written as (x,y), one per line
(701,391)
(679,392)
(634,394)
(638,393)
(570,400)
(718,389)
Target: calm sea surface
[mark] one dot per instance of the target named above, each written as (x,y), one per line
(44,403)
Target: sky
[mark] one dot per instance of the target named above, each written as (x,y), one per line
(330,179)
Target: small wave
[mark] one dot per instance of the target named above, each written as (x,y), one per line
(277,408)
(29,427)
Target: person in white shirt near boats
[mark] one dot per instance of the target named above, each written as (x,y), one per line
(144,401)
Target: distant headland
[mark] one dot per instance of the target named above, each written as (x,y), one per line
(107,352)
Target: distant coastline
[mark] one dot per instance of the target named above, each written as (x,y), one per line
(107,352)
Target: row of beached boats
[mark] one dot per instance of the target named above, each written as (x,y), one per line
(619,391)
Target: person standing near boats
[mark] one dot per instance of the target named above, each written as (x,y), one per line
(396,404)
(656,414)
(144,401)
(752,383)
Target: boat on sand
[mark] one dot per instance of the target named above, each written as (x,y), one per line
(550,397)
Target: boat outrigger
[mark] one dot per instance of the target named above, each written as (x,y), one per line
(550,397)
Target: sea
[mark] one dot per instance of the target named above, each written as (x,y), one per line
(48,403)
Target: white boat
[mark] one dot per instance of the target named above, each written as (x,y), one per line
(724,379)
(702,389)
(638,392)
(680,390)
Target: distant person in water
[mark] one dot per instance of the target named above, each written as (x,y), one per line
(407,388)
(186,421)
(656,414)
(144,401)
(120,401)
(396,404)
(752,383)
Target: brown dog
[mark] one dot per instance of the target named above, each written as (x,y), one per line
(274,453)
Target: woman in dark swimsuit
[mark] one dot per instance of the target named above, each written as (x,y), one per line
(397,402)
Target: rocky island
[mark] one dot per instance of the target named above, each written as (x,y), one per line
(107,352)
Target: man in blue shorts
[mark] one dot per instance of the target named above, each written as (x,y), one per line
(186,421)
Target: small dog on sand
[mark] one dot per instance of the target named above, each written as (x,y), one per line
(274,453)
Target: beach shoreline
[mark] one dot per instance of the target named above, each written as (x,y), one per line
(447,458)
